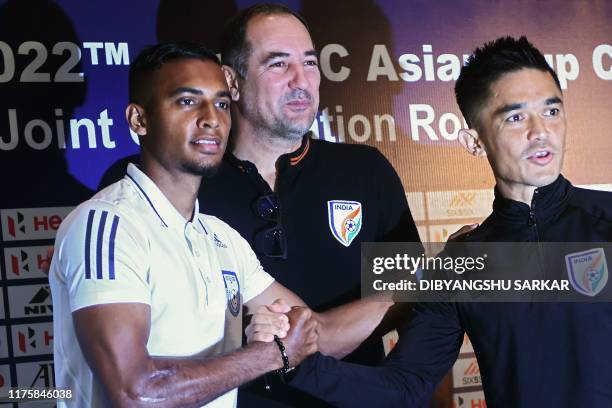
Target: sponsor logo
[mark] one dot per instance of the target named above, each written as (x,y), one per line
(466,373)
(459,204)
(345,220)
(30,300)
(218,242)
(5,377)
(232,291)
(25,262)
(587,271)
(39,374)
(470,400)
(33,339)
(32,223)
(440,233)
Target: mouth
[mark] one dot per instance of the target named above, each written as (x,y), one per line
(207,145)
(299,104)
(541,157)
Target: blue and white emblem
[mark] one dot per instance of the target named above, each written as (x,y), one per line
(587,271)
(345,219)
(232,291)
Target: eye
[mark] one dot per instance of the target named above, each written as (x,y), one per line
(278,64)
(187,101)
(223,105)
(514,118)
(553,112)
(312,63)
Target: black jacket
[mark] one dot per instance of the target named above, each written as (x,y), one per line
(530,354)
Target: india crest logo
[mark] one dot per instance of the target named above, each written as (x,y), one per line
(587,271)
(345,219)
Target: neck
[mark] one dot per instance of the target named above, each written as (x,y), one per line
(180,189)
(261,148)
(516,192)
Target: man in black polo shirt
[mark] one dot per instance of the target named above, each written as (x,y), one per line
(304,205)
(530,354)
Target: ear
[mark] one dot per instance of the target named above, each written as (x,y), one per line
(136,119)
(471,142)
(232,81)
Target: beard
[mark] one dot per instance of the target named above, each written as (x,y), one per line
(204,171)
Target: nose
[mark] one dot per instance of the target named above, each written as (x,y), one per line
(537,128)
(207,117)
(298,78)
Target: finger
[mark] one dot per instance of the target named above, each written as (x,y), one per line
(463,230)
(266,329)
(280,306)
(261,337)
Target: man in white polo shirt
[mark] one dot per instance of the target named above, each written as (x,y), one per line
(147,292)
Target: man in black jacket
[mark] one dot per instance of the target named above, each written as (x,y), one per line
(530,354)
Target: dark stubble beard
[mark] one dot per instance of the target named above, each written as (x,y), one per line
(205,172)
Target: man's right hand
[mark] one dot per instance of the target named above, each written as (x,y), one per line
(302,338)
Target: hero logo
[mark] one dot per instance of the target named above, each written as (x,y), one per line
(33,339)
(26,262)
(32,223)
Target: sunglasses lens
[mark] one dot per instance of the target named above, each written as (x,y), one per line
(267,207)
(272,242)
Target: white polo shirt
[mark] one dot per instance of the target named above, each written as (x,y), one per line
(129,244)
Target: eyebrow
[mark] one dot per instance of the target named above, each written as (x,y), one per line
(196,91)
(515,106)
(278,54)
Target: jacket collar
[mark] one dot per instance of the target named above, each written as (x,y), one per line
(546,203)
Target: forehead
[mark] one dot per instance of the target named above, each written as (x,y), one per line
(189,73)
(526,86)
(277,32)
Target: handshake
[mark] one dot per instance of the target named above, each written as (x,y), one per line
(295,326)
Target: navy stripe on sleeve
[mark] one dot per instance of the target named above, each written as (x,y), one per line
(99,274)
(111,249)
(90,217)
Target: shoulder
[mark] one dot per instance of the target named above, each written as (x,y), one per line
(353,157)
(116,203)
(594,202)
(221,231)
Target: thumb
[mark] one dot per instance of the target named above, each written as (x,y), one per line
(279,306)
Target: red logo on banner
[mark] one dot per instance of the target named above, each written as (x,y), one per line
(23,339)
(12,228)
(472,369)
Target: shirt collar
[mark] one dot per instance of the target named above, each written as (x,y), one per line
(162,207)
(288,159)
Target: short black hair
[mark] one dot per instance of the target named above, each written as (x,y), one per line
(235,49)
(489,63)
(153,57)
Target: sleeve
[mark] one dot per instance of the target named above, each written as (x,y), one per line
(102,258)
(396,222)
(255,279)
(424,354)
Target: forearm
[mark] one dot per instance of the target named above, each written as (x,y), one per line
(351,385)
(195,381)
(343,328)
